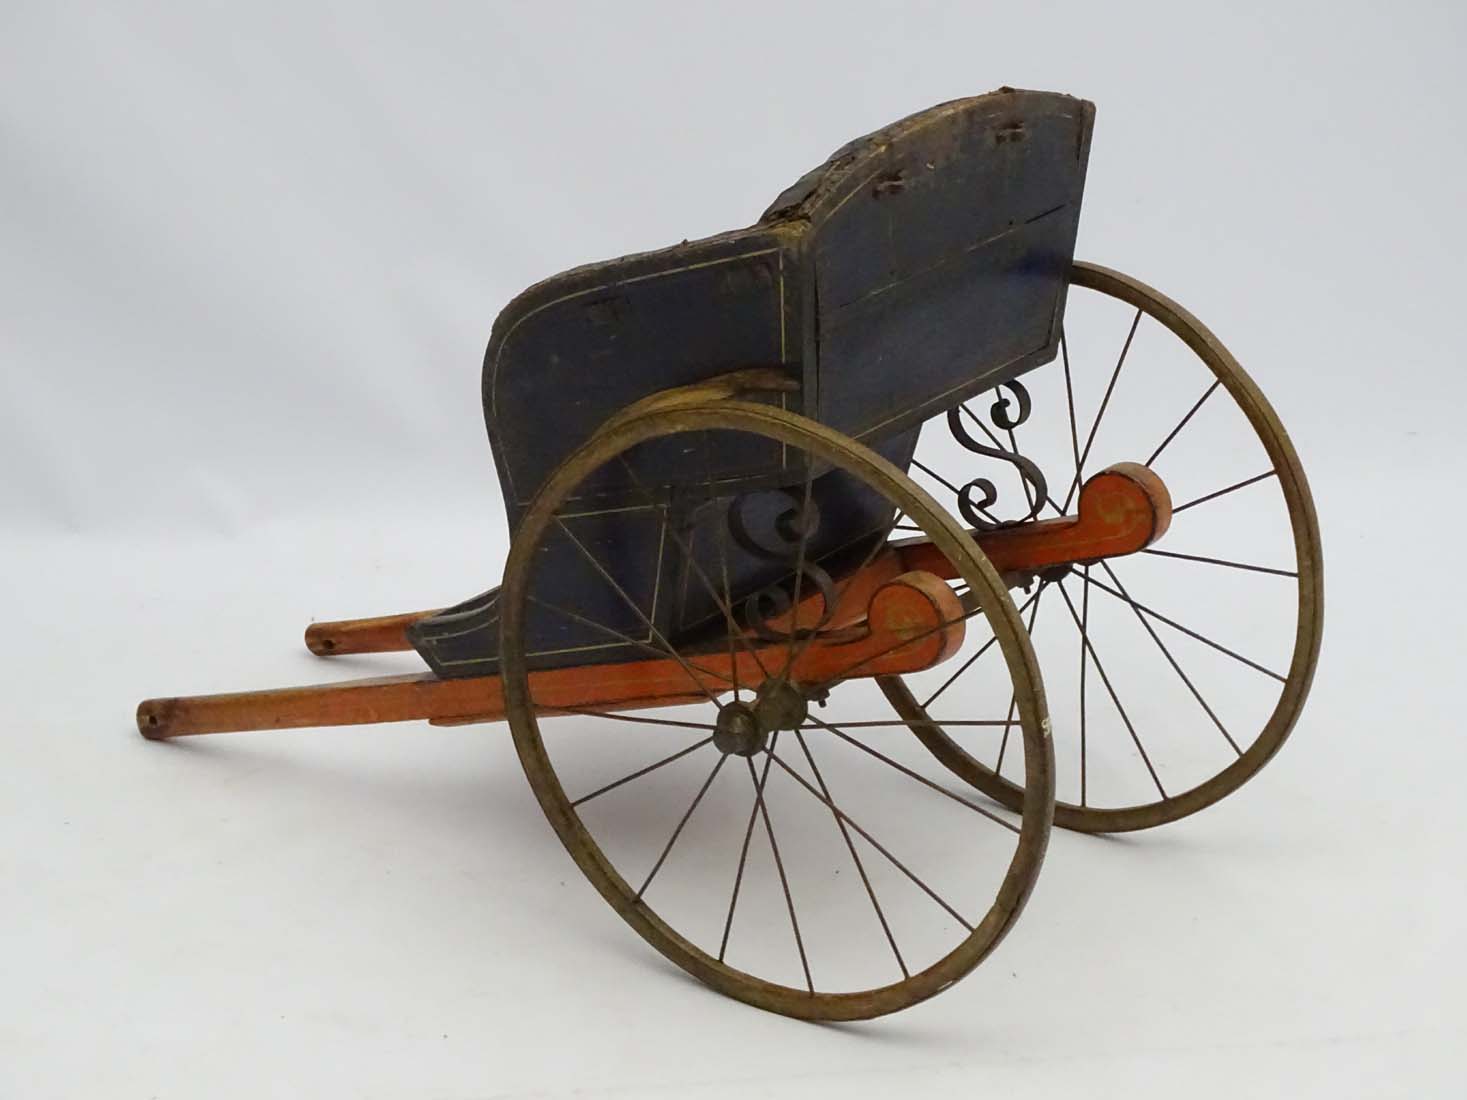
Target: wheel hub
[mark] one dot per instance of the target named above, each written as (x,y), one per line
(743,728)
(737,730)
(780,705)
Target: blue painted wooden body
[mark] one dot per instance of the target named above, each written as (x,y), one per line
(916,267)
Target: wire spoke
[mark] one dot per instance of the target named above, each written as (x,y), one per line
(1190,413)
(845,673)
(855,857)
(805,531)
(984,428)
(733,900)
(784,881)
(1216,721)
(727,604)
(1111,691)
(618,716)
(1013,450)
(930,472)
(735,633)
(1221,561)
(1070,403)
(666,851)
(627,638)
(641,772)
(898,864)
(918,776)
(1084,667)
(909,722)
(1003,746)
(1024,481)
(945,483)
(1104,404)
(631,603)
(1034,599)
(1139,606)
(1224,492)
(879,542)
(610,707)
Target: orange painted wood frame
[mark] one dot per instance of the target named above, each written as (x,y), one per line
(913,622)
(895,616)
(1120,510)
(383,634)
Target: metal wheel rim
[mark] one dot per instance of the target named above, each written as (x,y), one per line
(1310,567)
(1035,801)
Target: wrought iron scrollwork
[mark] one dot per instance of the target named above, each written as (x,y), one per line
(977,497)
(999,412)
(795,528)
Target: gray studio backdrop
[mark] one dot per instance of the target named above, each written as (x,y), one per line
(252,254)
(249,259)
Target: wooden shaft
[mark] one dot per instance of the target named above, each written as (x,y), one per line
(353,702)
(1121,510)
(914,622)
(384,634)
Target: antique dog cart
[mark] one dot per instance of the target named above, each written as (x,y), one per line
(769,494)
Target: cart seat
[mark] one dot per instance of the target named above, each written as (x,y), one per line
(917,266)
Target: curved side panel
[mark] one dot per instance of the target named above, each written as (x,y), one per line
(577,348)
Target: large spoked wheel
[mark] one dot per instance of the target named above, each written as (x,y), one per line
(1175,674)
(775,833)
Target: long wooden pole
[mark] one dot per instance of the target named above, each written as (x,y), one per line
(913,622)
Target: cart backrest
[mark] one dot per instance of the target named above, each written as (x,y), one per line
(916,267)
(938,250)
